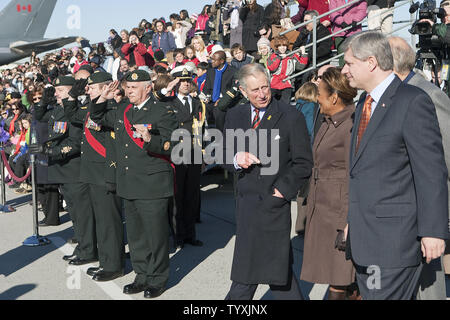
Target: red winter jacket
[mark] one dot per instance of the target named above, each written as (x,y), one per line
(320,6)
(141,56)
(281,68)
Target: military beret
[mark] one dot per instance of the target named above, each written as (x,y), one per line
(138,76)
(87,67)
(99,77)
(64,81)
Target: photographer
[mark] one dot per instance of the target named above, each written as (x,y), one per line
(442,30)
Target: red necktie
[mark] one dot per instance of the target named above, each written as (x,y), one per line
(256,120)
(365,119)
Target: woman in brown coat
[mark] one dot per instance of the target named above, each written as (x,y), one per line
(326,217)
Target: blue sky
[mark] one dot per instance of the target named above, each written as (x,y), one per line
(97,17)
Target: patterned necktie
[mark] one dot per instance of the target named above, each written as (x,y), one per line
(365,119)
(256,121)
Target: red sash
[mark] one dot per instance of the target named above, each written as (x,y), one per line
(94,143)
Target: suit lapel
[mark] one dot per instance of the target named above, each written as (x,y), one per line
(271,117)
(377,117)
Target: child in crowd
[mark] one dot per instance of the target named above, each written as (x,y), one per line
(264,51)
(282,66)
(200,81)
(306,97)
(240,57)
(190,55)
(178,54)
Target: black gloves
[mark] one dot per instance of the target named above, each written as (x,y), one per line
(78,89)
(354,24)
(48,97)
(340,243)
(38,149)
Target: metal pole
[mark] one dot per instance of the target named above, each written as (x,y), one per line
(35,240)
(3,184)
(413,37)
(315,42)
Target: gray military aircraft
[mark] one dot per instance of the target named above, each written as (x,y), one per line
(22,28)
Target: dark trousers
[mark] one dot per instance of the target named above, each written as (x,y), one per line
(187,201)
(106,209)
(20,166)
(388,284)
(291,291)
(48,196)
(74,194)
(148,238)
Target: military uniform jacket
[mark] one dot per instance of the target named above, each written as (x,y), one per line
(64,144)
(143,170)
(95,143)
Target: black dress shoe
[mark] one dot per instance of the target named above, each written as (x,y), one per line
(44,223)
(152,293)
(70,257)
(134,288)
(194,242)
(72,241)
(103,276)
(179,245)
(80,262)
(93,271)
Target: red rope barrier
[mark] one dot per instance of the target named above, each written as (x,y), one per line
(11,173)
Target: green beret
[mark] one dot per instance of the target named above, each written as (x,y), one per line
(99,77)
(138,76)
(64,81)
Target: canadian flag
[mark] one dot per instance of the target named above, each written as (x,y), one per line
(24,8)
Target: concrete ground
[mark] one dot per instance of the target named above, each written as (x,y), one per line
(39,273)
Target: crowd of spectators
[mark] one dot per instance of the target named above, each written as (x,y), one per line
(226,34)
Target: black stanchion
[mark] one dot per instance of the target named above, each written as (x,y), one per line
(3,184)
(35,240)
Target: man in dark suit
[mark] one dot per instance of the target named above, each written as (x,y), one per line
(398,210)
(190,113)
(144,176)
(432,280)
(263,253)
(219,79)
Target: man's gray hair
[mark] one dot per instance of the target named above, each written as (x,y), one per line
(404,56)
(250,70)
(312,14)
(371,43)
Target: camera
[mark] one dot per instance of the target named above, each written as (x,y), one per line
(427,10)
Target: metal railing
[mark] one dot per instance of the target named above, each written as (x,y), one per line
(315,41)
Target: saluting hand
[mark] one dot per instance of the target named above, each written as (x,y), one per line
(108,91)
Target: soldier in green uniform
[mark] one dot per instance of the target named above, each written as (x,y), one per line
(190,113)
(105,207)
(144,176)
(63,149)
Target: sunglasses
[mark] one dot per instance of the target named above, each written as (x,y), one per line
(37,98)
(15,109)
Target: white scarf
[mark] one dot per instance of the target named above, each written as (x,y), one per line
(234,23)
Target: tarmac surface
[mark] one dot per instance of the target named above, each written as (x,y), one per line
(196,273)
